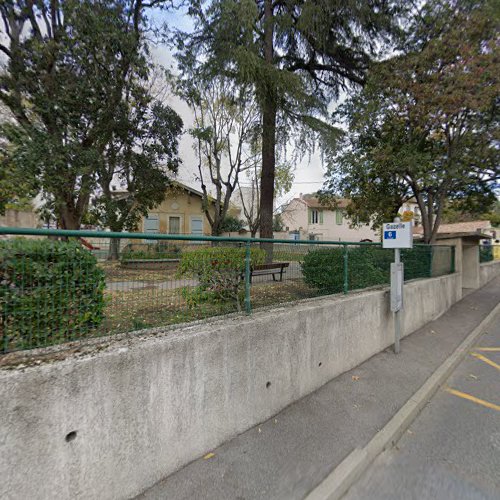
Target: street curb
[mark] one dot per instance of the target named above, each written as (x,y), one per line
(338,482)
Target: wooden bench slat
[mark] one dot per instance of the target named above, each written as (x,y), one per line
(271,268)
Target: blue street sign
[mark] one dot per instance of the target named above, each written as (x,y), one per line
(389,235)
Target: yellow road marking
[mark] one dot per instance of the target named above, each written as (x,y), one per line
(486,360)
(469,397)
(487,349)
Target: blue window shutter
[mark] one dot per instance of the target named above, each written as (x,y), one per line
(321,216)
(310,216)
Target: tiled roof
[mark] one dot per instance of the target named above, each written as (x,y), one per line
(312,201)
(459,227)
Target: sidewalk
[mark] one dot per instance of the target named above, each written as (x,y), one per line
(290,454)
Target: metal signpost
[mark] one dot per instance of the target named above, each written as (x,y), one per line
(397,235)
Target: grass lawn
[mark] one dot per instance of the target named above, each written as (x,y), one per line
(152,307)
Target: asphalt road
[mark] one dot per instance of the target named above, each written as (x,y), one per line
(452,449)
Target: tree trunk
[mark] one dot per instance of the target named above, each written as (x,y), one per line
(114,249)
(269,111)
(69,220)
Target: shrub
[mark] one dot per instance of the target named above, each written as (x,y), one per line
(50,292)
(485,253)
(231,224)
(323,269)
(220,272)
(151,251)
(417,262)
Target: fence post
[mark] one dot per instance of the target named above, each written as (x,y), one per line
(346,270)
(248,304)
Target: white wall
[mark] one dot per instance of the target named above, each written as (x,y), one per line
(144,406)
(296,218)
(332,231)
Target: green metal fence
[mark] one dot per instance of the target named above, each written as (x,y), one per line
(60,286)
(489,252)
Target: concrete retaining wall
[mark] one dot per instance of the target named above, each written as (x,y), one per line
(110,424)
(488,271)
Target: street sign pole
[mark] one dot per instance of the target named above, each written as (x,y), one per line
(397,235)
(397,313)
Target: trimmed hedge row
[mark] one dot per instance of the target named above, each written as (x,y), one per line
(367,266)
(50,292)
(485,253)
(150,251)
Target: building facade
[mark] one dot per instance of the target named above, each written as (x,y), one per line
(181,212)
(306,218)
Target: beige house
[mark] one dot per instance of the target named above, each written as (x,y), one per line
(306,218)
(19,218)
(181,212)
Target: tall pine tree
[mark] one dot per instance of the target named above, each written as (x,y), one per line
(298,55)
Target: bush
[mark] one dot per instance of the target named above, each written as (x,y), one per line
(485,253)
(231,224)
(151,251)
(323,269)
(417,262)
(50,292)
(220,272)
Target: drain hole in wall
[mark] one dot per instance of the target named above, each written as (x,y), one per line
(320,363)
(70,436)
(268,385)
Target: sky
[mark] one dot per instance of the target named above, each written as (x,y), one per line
(308,173)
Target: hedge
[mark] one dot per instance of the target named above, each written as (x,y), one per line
(150,251)
(485,253)
(50,292)
(323,269)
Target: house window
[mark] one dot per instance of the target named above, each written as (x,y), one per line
(174,225)
(338,217)
(152,224)
(315,216)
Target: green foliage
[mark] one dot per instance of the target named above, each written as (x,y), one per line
(488,208)
(278,224)
(323,269)
(140,160)
(219,271)
(426,123)
(296,57)
(74,72)
(226,134)
(231,224)
(50,292)
(150,251)
(16,189)
(486,253)
(418,262)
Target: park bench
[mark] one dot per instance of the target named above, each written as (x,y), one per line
(272,268)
